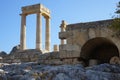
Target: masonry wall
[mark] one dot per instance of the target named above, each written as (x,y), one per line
(77,35)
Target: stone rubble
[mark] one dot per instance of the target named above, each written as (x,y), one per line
(35,71)
(15,49)
(3,54)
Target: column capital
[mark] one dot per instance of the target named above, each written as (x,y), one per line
(47,16)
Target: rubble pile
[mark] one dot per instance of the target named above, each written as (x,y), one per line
(35,71)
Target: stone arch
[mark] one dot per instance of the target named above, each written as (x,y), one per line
(100,49)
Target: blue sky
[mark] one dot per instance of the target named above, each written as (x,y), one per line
(72,11)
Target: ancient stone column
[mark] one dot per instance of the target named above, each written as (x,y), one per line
(39,32)
(56,48)
(23,32)
(47,34)
(63,27)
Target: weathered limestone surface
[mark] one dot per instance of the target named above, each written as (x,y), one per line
(82,32)
(56,58)
(52,55)
(63,35)
(35,8)
(69,47)
(31,55)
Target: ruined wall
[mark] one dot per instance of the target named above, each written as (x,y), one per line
(98,34)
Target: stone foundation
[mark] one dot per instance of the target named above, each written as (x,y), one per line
(30,55)
(57,58)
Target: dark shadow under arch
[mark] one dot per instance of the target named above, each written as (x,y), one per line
(100,49)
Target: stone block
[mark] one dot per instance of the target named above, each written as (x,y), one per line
(25,56)
(34,9)
(97,32)
(41,61)
(55,61)
(25,60)
(63,54)
(104,32)
(73,54)
(54,55)
(16,61)
(69,54)
(93,62)
(69,47)
(79,37)
(43,56)
(56,48)
(115,60)
(34,59)
(61,47)
(91,33)
(63,35)
(68,61)
(75,60)
(69,40)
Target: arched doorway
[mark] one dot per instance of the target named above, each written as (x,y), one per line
(100,49)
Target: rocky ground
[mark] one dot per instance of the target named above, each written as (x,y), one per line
(34,71)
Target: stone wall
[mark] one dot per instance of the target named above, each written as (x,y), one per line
(30,55)
(77,35)
(55,58)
